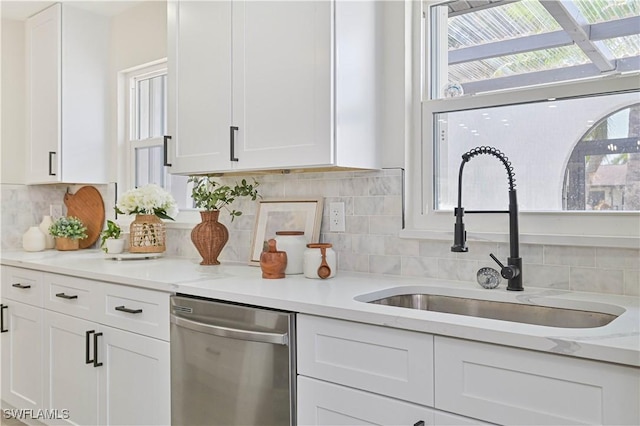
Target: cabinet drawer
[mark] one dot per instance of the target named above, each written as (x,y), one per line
(515,386)
(383,360)
(22,285)
(72,296)
(324,404)
(135,309)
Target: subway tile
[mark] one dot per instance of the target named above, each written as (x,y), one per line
(480,250)
(617,258)
(569,255)
(387,265)
(368,244)
(597,280)
(435,248)
(631,282)
(392,205)
(359,225)
(530,253)
(458,270)
(415,266)
(355,262)
(384,225)
(370,206)
(398,246)
(385,186)
(546,276)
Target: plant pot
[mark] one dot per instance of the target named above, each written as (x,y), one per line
(210,237)
(67,244)
(148,234)
(114,245)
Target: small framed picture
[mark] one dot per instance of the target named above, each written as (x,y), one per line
(285,215)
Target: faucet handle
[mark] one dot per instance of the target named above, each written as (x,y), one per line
(508,272)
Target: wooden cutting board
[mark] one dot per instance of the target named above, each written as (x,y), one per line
(87,205)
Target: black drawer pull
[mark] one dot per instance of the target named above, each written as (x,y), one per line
(419,423)
(51,154)
(66,296)
(87,347)
(2,308)
(95,350)
(127,310)
(22,286)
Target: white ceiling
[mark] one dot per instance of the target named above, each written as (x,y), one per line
(22,9)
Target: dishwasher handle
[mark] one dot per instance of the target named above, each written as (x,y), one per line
(232,333)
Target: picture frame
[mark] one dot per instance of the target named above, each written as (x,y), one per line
(285,214)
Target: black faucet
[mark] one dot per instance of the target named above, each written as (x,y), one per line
(513,271)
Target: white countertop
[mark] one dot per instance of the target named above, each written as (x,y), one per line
(617,342)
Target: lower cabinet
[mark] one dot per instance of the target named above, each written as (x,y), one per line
(358,374)
(105,376)
(82,359)
(327,404)
(21,343)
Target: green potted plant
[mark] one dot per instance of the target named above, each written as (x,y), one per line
(68,231)
(210,235)
(110,238)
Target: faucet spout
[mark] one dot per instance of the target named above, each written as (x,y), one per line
(512,272)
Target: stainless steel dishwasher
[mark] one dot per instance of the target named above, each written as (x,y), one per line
(231,364)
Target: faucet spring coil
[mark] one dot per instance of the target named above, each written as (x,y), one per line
(489,150)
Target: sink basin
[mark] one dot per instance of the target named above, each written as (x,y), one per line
(506,311)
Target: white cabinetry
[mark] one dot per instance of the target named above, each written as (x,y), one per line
(352,373)
(517,386)
(66,50)
(102,349)
(21,338)
(272,85)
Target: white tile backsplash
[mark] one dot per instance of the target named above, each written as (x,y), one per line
(373,207)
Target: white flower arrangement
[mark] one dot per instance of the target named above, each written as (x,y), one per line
(148,199)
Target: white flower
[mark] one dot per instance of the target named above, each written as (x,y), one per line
(148,199)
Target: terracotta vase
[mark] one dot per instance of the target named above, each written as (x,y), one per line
(147,234)
(66,244)
(210,237)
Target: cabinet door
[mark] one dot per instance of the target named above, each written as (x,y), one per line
(70,382)
(136,379)
(43,52)
(323,403)
(516,386)
(22,384)
(199,85)
(282,92)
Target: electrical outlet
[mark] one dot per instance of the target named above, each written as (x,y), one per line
(336,217)
(55,211)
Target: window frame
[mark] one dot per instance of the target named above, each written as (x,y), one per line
(588,228)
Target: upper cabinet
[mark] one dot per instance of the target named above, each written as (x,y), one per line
(273,85)
(67,54)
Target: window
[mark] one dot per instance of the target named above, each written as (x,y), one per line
(146,125)
(537,80)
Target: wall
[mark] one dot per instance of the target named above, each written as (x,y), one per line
(13,108)
(373,204)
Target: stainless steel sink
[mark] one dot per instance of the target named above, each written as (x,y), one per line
(506,311)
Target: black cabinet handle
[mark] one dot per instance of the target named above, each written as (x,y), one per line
(233,143)
(87,346)
(51,154)
(164,145)
(66,296)
(22,286)
(2,308)
(127,310)
(95,350)
(419,423)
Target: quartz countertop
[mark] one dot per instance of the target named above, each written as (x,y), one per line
(342,298)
